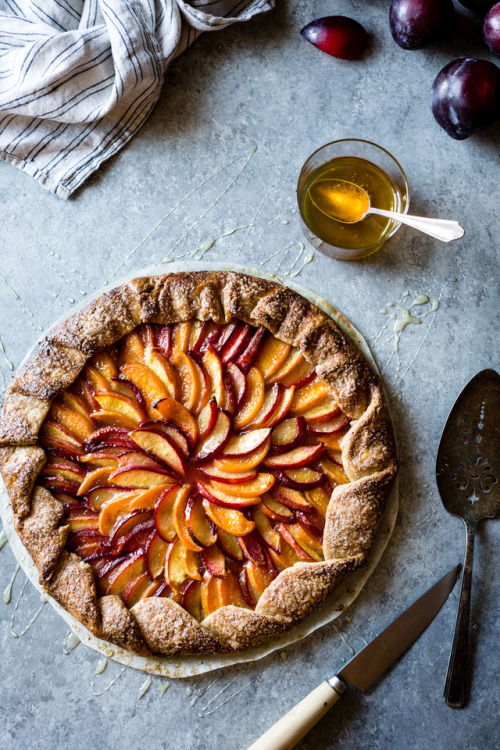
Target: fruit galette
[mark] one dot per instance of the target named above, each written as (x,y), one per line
(195,461)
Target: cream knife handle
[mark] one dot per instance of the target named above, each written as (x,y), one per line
(296,723)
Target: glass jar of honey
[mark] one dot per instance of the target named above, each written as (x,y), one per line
(364,164)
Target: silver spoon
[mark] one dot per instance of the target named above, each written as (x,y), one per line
(349,203)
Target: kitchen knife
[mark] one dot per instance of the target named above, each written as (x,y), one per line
(363,670)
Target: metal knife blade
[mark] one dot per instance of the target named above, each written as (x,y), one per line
(374,660)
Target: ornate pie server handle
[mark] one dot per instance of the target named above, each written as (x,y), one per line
(455,689)
(285,734)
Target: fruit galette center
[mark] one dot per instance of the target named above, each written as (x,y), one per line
(194,461)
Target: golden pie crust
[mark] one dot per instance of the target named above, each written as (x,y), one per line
(158,624)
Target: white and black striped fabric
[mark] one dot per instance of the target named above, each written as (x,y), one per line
(78,78)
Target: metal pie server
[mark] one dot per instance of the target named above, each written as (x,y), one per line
(468,474)
(362,670)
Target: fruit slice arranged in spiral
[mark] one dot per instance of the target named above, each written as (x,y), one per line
(194,461)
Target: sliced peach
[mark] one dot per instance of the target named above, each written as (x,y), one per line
(98,496)
(173,411)
(148,383)
(191,599)
(245,462)
(291,498)
(123,577)
(217,439)
(309,544)
(191,562)
(332,443)
(266,530)
(95,479)
(110,401)
(137,477)
(224,499)
(272,354)
(78,523)
(276,510)
(111,510)
(209,595)
(137,459)
(229,544)
(188,377)
(253,488)
(325,410)
(132,348)
(164,515)
(96,380)
(163,370)
(203,385)
(310,395)
(161,446)
(101,458)
(199,527)
(113,419)
(335,454)
(300,376)
(296,458)
(179,515)
(72,473)
(54,431)
(281,409)
(258,578)
(229,591)
(137,589)
(333,471)
(76,403)
(292,361)
(272,400)
(106,365)
(154,589)
(181,333)
(284,531)
(215,561)
(150,497)
(228,519)
(175,565)
(285,559)
(253,401)
(78,424)
(210,471)
(319,499)
(213,366)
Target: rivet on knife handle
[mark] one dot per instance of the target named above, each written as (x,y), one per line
(296,723)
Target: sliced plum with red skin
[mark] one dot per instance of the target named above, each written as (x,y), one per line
(312,524)
(236,343)
(164,340)
(282,529)
(224,500)
(252,547)
(126,523)
(296,458)
(201,337)
(59,485)
(245,589)
(215,441)
(211,471)
(121,578)
(246,443)
(247,357)
(127,388)
(207,418)
(287,435)
(161,446)
(111,437)
(329,427)
(137,538)
(299,479)
(293,499)
(224,335)
(215,561)
(171,430)
(239,382)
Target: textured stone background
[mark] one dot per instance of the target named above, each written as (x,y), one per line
(264,86)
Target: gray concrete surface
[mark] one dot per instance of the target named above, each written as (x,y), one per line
(187,177)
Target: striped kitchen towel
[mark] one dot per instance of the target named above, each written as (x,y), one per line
(78,78)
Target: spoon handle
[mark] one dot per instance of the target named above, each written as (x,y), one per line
(455,689)
(441,229)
